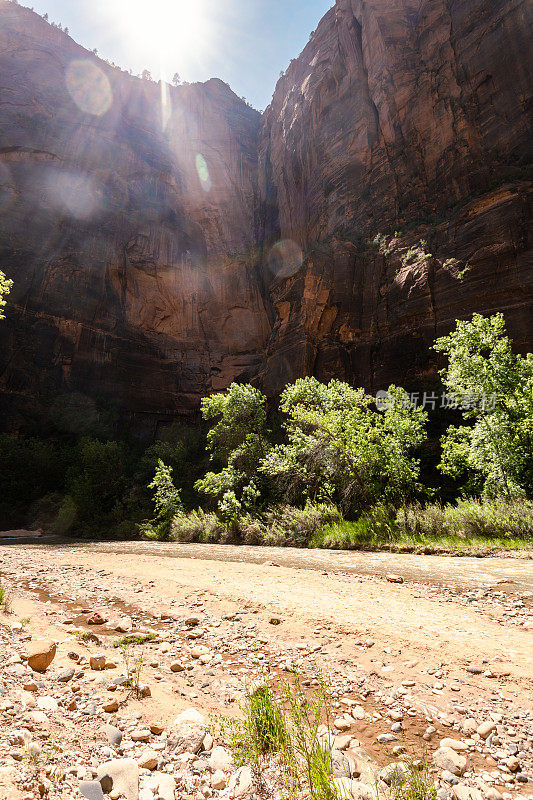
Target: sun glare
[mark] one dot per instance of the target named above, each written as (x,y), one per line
(173,34)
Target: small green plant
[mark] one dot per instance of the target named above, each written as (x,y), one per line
(461,274)
(24,621)
(5,599)
(133,664)
(5,287)
(82,636)
(286,725)
(135,638)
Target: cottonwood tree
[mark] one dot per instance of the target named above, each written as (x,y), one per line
(497,446)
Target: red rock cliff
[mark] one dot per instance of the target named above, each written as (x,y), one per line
(128,227)
(164,245)
(398,115)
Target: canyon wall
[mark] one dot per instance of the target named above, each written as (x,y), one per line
(398,116)
(164,242)
(128,228)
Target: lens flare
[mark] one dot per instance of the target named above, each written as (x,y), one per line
(73,193)
(89,87)
(285,258)
(203,172)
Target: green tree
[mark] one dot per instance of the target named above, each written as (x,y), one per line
(238,442)
(167,503)
(494,388)
(340,449)
(5,288)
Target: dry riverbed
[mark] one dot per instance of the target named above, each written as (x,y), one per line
(438,665)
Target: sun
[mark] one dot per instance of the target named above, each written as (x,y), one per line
(170,35)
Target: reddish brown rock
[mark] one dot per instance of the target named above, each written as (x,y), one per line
(164,244)
(40,654)
(398,115)
(129,233)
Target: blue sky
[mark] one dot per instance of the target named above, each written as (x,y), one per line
(244,42)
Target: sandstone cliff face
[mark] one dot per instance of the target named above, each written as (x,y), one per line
(128,229)
(395,114)
(165,244)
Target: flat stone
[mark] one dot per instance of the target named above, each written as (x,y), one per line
(448,759)
(66,675)
(241,782)
(114,735)
(124,776)
(394,578)
(148,759)
(92,790)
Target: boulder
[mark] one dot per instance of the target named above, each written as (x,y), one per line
(40,654)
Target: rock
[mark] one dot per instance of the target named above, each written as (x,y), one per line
(177,666)
(40,654)
(464,792)
(449,777)
(47,703)
(274,621)
(148,759)
(394,578)
(97,661)
(342,724)
(386,738)
(448,759)
(394,774)
(92,790)
(166,786)
(31,686)
(96,618)
(140,735)
(486,728)
(349,788)
(241,782)
(455,744)
(110,706)
(220,759)
(190,715)
(218,780)
(492,794)
(157,728)
(513,763)
(342,765)
(124,625)
(114,735)
(187,737)
(123,773)
(66,675)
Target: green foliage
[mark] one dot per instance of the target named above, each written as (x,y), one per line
(135,638)
(5,288)
(341,450)
(470,525)
(133,665)
(96,482)
(238,441)
(286,724)
(167,503)
(413,782)
(498,385)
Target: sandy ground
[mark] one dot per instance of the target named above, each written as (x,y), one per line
(415,639)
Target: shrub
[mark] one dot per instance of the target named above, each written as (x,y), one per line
(167,504)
